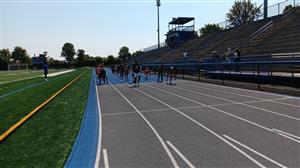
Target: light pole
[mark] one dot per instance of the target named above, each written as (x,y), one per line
(265,9)
(158,5)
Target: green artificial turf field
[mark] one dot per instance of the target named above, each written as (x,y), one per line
(47,138)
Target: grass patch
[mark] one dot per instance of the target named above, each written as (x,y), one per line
(9,76)
(47,138)
(13,86)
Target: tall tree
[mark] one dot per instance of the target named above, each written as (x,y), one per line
(4,58)
(68,52)
(243,12)
(81,57)
(209,29)
(124,53)
(134,54)
(20,54)
(111,60)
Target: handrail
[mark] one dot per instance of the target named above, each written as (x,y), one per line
(261,30)
(287,13)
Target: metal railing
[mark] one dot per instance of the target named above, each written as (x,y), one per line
(273,10)
(163,44)
(284,72)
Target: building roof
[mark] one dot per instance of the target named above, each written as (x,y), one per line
(181,20)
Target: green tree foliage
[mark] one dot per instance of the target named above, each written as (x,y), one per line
(209,29)
(4,58)
(243,12)
(124,53)
(134,54)
(111,60)
(81,57)
(20,54)
(287,8)
(68,52)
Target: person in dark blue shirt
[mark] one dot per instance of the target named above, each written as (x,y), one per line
(45,67)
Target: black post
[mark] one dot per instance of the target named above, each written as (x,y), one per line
(222,74)
(265,9)
(199,72)
(292,82)
(182,71)
(258,76)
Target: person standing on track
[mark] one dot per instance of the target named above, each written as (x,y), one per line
(160,72)
(136,69)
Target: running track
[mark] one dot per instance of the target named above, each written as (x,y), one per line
(196,124)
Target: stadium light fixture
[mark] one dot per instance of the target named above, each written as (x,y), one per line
(158,5)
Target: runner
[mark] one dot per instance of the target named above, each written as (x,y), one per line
(160,72)
(146,73)
(136,69)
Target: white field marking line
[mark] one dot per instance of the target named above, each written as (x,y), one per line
(224,112)
(19,90)
(289,134)
(150,125)
(248,90)
(181,155)
(206,128)
(266,110)
(105,158)
(98,154)
(254,151)
(238,94)
(59,73)
(36,76)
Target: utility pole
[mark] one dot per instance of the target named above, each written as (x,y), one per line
(158,5)
(265,9)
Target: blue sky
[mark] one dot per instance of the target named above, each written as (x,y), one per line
(100,27)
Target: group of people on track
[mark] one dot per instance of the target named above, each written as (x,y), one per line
(123,71)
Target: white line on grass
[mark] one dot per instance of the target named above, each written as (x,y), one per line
(224,112)
(254,151)
(98,155)
(222,91)
(181,155)
(262,109)
(105,158)
(150,125)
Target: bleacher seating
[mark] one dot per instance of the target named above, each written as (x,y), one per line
(282,37)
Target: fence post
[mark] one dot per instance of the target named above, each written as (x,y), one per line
(222,74)
(182,71)
(258,76)
(199,73)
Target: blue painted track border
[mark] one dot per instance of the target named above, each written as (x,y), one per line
(84,150)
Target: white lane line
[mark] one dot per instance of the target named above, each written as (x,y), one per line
(181,155)
(262,109)
(254,151)
(105,158)
(198,123)
(242,95)
(98,155)
(150,125)
(222,91)
(289,134)
(224,112)
(288,104)
(241,89)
